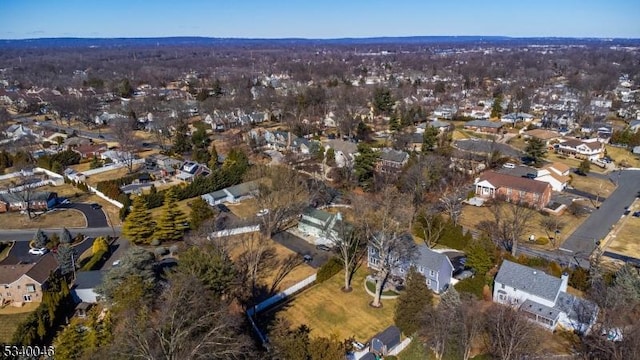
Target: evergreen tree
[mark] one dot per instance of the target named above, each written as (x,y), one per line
(496,108)
(415,300)
(364,165)
(200,211)
(382,101)
(210,265)
(585,167)
(40,240)
(213,159)
(331,157)
(181,143)
(138,226)
(99,245)
(480,255)
(66,237)
(67,258)
(536,151)
(172,222)
(394,123)
(429,139)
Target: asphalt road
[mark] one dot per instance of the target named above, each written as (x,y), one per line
(599,223)
(95,217)
(20,252)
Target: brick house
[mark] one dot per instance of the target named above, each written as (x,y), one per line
(42,200)
(391,161)
(87,151)
(20,283)
(493,185)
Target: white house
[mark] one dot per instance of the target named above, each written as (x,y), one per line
(233,194)
(542,298)
(590,149)
(345,151)
(556,175)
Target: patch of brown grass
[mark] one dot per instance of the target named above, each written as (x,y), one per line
(592,185)
(245,209)
(620,155)
(109,175)
(69,218)
(626,241)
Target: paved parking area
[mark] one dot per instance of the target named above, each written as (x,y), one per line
(302,247)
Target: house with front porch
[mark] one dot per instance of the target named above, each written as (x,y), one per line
(543,298)
(484,126)
(494,185)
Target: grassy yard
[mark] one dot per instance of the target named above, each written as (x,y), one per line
(620,155)
(330,312)
(109,175)
(10,317)
(473,215)
(245,209)
(592,185)
(626,238)
(68,218)
(81,167)
(459,135)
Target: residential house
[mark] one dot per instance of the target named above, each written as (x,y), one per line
(84,286)
(442,126)
(302,145)
(90,150)
(634,125)
(17,132)
(484,126)
(38,201)
(191,169)
(542,298)
(590,149)
(117,156)
(445,112)
(22,283)
(345,152)
(636,150)
(510,188)
(278,140)
(514,118)
(548,136)
(436,267)
(391,161)
(233,194)
(556,175)
(382,343)
(322,225)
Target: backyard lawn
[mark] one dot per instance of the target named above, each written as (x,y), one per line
(10,317)
(592,185)
(620,156)
(330,312)
(93,180)
(473,215)
(245,209)
(69,218)
(626,240)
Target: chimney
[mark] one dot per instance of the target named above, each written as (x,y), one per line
(565,282)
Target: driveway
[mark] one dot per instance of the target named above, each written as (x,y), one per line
(20,252)
(95,217)
(118,249)
(276,156)
(599,223)
(300,246)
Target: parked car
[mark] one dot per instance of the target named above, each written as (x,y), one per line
(116,263)
(465,274)
(358,346)
(95,206)
(636,214)
(38,251)
(307,258)
(323,247)
(262,212)
(509,165)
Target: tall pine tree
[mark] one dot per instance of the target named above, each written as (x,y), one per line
(138,226)
(412,303)
(172,222)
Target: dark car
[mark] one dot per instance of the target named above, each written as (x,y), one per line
(95,206)
(636,214)
(223,208)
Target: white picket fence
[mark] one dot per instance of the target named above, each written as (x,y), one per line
(281,295)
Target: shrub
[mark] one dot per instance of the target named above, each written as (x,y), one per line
(95,261)
(332,267)
(542,240)
(473,286)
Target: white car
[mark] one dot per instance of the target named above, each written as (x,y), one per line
(509,165)
(38,251)
(116,263)
(262,212)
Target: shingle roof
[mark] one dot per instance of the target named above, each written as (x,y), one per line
(40,272)
(243,189)
(393,155)
(317,214)
(11,273)
(576,308)
(483,123)
(514,182)
(429,258)
(529,280)
(389,336)
(533,307)
(88,279)
(345,147)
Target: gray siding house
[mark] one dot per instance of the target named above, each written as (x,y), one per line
(436,267)
(322,225)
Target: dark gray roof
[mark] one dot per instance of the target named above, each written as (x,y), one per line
(316,214)
(529,280)
(89,279)
(369,356)
(345,147)
(217,195)
(483,123)
(394,155)
(430,259)
(546,312)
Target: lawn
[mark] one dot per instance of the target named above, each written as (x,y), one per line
(330,312)
(620,155)
(626,238)
(93,180)
(592,185)
(473,215)
(54,219)
(10,317)
(571,162)
(459,135)
(245,209)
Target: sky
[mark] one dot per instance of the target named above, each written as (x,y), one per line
(23,19)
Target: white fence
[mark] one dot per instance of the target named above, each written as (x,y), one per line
(282,295)
(105,197)
(110,167)
(54,179)
(403,345)
(234,231)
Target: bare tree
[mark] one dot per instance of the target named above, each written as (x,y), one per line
(509,335)
(552,226)
(349,244)
(509,224)
(284,267)
(23,187)
(470,323)
(440,323)
(452,193)
(384,220)
(127,143)
(430,225)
